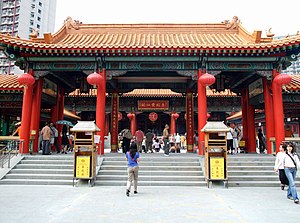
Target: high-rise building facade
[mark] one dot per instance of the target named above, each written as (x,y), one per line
(20,18)
(294,68)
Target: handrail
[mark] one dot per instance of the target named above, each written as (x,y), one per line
(10,149)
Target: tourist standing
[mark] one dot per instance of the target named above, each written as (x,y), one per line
(177,142)
(291,162)
(139,137)
(166,140)
(65,140)
(229,138)
(126,138)
(54,132)
(46,136)
(278,167)
(261,141)
(149,141)
(133,159)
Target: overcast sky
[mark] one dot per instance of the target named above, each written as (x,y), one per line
(282,16)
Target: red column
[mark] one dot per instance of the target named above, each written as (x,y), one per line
(54,111)
(61,107)
(100,108)
(269,114)
(251,130)
(189,103)
(36,112)
(27,80)
(245,99)
(278,81)
(132,118)
(172,124)
(114,122)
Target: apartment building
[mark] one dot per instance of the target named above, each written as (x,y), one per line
(20,18)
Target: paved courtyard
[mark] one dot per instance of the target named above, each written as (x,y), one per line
(36,204)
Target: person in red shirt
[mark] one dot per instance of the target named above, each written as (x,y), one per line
(139,137)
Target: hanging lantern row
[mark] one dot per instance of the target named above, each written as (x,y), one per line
(94,79)
(175,115)
(26,79)
(207,79)
(130,116)
(153,116)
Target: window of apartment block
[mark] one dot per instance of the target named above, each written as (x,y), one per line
(39,18)
(39,11)
(38,26)
(31,22)
(40,4)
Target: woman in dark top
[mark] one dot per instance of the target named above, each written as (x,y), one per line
(65,140)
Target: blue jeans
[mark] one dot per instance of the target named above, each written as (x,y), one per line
(291,175)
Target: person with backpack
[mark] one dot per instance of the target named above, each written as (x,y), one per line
(133,159)
(126,137)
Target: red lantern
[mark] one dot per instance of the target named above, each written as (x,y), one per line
(153,116)
(120,116)
(130,115)
(94,79)
(175,116)
(207,79)
(282,79)
(26,79)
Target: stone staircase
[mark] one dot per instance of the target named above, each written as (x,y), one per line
(252,170)
(244,170)
(155,170)
(41,170)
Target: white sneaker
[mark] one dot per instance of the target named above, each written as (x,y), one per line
(166,155)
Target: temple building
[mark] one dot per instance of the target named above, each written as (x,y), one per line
(188,60)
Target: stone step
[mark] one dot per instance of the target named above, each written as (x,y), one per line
(153,183)
(256,184)
(250,168)
(253,178)
(174,168)
(250,172)
(35,182)
(40,176)
(152,172)
(152,163)
(50,157)
(56,162)
(249,163)
(156,159)
(44,166)
(42,171)
(143,178)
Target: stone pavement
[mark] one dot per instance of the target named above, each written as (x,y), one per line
(64,204)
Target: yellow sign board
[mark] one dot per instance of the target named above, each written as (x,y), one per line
(83,166)
(217,171)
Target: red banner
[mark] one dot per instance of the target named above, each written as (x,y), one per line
(114,121)
(153,105)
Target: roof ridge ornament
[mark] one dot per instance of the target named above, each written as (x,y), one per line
(233,24)
(269,33)
(34,34)
(70,23)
